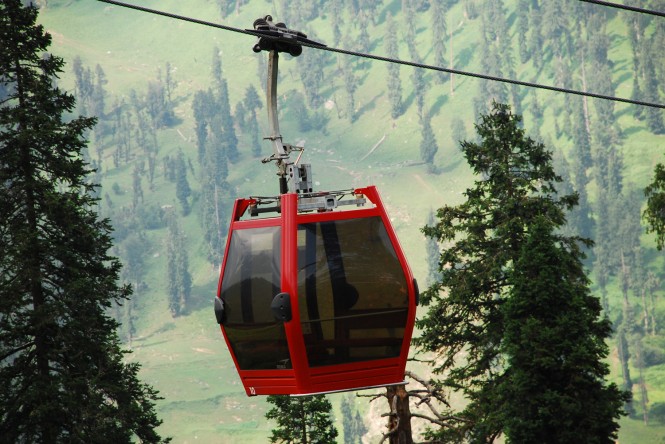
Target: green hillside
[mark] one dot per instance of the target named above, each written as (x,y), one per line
(185,357)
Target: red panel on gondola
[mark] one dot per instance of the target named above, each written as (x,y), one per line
(316,302)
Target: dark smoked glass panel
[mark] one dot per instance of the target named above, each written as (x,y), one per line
(251,280)
(353,296)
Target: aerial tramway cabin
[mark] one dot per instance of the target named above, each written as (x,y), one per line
(315,294)
(314,302)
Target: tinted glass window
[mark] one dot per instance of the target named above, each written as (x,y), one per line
(251,280)
(353,296)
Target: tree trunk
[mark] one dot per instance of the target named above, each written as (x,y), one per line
(399,422)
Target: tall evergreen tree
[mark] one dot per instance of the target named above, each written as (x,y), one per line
(222,127)
(336,12)
(182,189)
(214,191)
(359,427)
(523,29)
(311,75)
(350,87)
(97,101)
(535,41)
(485,237)
(203,108)
(439,35)
(252,104)
(178,278)
(348,421)
(394,82)
(62,374)
(428,145)
(433,253)
(302,420)
(554,390)
(654,116)
(137,189)
(654,214)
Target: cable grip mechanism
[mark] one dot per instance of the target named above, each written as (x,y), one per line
(276,38)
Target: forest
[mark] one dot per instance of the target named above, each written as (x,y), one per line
(181,118)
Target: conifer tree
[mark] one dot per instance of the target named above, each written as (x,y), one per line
(485,237)
(428,145)
(302,420)
(62,373)
(535,41)
(221,125)
(554,389)
(359,427)
(203,108)
(654,214)
(347,421)
(364,42)
(179,280)
(439,35)
(433,253)
(182,189)
(252,103)
(336,19)
(522,29)
(350,87)
(311,76)
(394,82)
(654,116)
(214,191)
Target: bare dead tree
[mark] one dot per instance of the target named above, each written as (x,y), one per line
(427,401)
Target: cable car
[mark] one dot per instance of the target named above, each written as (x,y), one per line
(318,296)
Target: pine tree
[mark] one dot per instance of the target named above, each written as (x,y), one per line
(522,29)
(439,35)
(182,189)
(654,116)
(553,389)
(484,238)
(84,84)
(97,101)
(347,421)
(394,82)
(311,76)
(336,20)
(214,191)
(535,41)
(350,86)
(428,145)
(179,280)
(252,104)
(222,125)
(419,87)
(62,373)
(364,42)
(457,130)
(433,253)
(654,214)
(252,100)
(137,189)
(359,427)
(203,109)
(216,68)
(302,420)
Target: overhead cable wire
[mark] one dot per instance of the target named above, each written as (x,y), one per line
(393,60)
(626,7)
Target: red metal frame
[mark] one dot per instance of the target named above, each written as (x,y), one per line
(303,379)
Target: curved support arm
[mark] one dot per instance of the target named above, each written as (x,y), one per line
(271,90)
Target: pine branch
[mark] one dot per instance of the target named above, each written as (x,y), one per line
(16,350)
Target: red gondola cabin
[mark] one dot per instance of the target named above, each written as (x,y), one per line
(316,302)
